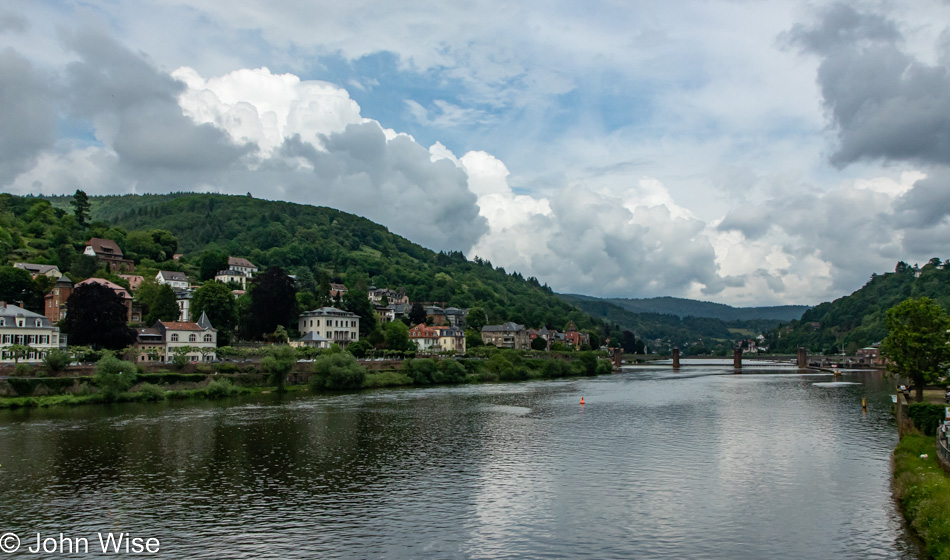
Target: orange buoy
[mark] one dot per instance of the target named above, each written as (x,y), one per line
(582,400)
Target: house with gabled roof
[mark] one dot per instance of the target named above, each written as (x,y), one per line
(35,270)
(134,280)
(21,327)
(201,339)
(177,280)
(508,335)
(108,252)
(243,265)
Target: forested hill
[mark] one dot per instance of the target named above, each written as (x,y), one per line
(693,308)
(855,321)
(694,335)
(320,245)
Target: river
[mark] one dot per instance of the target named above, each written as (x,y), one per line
(694,463)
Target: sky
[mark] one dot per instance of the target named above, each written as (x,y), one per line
(748,153)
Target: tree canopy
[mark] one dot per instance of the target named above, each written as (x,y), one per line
(97,317)
(917,344)
(273,302)
(215,299)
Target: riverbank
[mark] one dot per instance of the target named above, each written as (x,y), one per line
(923,490)
(40,392)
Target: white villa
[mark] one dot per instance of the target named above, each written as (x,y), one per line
(21,327)
(335,325)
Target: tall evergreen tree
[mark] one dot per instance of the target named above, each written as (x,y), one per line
(80,204)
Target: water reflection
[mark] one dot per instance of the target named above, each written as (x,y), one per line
(700,463)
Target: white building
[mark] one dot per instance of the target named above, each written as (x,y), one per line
(336,325)
(232,275)
(242,265)
(200,338)
(21,327)
(183,299)
(177,280)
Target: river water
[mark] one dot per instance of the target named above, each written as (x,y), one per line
(694,463)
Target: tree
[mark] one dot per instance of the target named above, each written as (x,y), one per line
(360,348)
(278,364)
(97,317)
(56,360)
(397,336)
(159,301)
(417,315)
(80,204)
(476,318)
(16,286)
(210,262)
(473,339)
(357,301)
(338,370)
(273,302)
(113,375)
(539,344)
(17,351)
(916,346)
(628,342)
(215,299)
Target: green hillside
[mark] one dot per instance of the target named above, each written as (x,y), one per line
(855,321)
(667,330)
(318,245)
(693,308)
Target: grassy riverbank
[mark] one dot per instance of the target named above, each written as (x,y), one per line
(41,392)
(923,489)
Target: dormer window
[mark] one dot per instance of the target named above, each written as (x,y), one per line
(38,323)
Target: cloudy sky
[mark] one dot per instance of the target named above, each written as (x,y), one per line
(749,153)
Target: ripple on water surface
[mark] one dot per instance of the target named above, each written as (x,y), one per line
(699,463)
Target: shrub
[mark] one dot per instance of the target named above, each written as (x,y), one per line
(150,392)
(450,371)
(421,371)
(338,370)
(113,376)
(56,361)
(926,417)
(386,379)
(221,388)
(23,370)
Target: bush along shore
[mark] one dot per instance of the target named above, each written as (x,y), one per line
(923,489)
(114,380)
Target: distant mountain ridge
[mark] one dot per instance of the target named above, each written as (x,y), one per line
(681,307)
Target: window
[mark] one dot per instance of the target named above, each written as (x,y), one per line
(207,338)
(174,338)
(192,338)
(38,322)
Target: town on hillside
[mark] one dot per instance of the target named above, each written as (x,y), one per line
(27,336)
